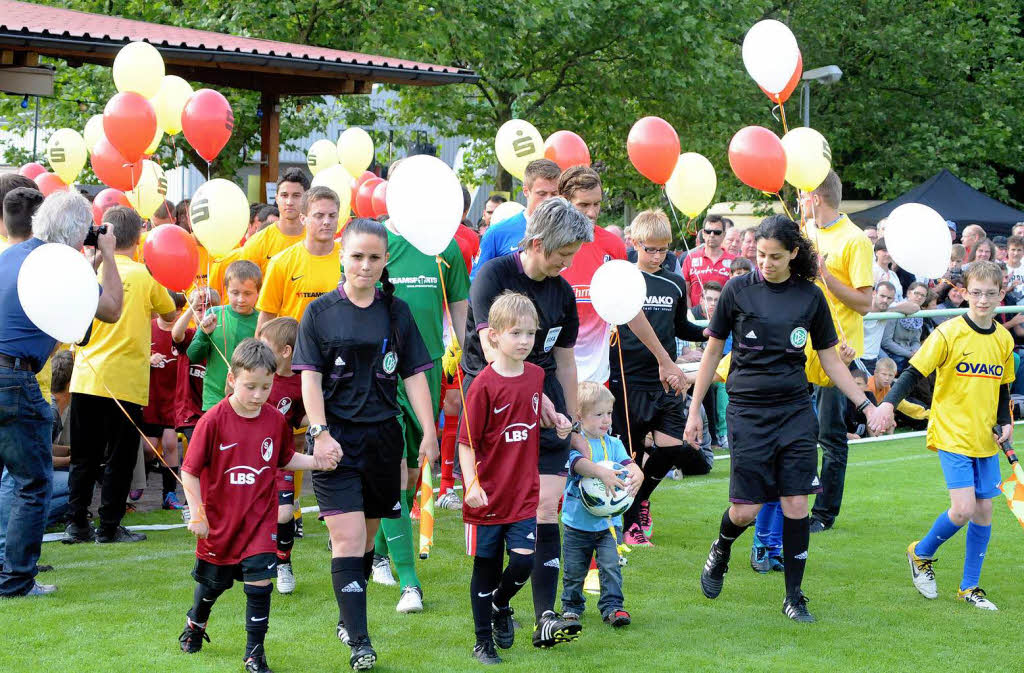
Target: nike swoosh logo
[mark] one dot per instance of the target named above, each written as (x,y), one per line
(392,539)
(258,619)
(229,446)
(498,411)
(295,278)
(486,594)
(967,353)
(271,566)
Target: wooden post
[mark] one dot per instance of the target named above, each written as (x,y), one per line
(270,139)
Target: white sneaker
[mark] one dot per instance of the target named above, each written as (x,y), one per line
(382,571)
(450,500)
(976,596)
(285,578)
(922,573)
(411,600)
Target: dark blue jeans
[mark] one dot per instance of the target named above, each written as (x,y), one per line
(26,424)
(578,547)
(831,404)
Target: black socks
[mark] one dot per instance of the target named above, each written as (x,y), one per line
(728,532)
(285,540)
(486,575)
(202,602)
(513,579)
(257,617)
(545,567)
(796,537)
(348,575)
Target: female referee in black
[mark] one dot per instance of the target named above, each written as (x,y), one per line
(352,346)
(773,431)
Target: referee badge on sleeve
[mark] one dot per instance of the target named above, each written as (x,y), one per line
(798,337)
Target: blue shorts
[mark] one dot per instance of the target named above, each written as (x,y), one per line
(491,541)
(981,473)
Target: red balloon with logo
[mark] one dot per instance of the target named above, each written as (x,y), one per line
(207,122)
(380,206)
(48,183)
(566,149)
(112,168)
(129,123)
(758,158)
(171,256)
(653,148)
(104,200)
(791,84)
(364,197)
(31,170)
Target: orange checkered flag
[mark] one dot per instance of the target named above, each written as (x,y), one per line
(1013,488)
(426,511)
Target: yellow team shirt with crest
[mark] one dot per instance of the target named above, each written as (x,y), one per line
(969,367)
(295,278)
(266,243)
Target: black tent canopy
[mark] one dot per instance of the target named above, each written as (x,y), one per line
(955,200)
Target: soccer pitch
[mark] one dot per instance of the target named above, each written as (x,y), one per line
(121,608)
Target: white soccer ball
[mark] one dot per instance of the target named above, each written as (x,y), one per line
(598,501)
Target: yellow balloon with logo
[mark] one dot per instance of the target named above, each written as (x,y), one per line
(66,154)
(516,144)
(220,216)
(322,154)
(355,150)
(169,102)
(336,178)
(692,184)
(808,158)
(150,191)
(138,67)
(93,132)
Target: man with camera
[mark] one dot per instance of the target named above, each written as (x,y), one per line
(26,422)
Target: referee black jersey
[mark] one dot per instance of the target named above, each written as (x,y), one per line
(665,308)
(553,298)
(770,324)
(359,355)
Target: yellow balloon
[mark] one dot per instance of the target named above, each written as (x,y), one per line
(517,143)
(808,158)
(355,150)
(66,153)
(692,184)
(150,191)
(336,178)
(93,132)
(157,137)
(138,67)
(323,154)
(169,102)
(220,216)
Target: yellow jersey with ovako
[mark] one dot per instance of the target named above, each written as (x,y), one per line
(969,364)
(294,278)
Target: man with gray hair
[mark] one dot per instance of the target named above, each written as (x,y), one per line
(971,236)
(26,422)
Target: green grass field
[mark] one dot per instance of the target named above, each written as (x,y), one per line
(122,608)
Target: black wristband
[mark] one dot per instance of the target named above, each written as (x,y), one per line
(864,405)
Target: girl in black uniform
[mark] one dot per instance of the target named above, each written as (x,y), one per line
(353,345)
(773,431)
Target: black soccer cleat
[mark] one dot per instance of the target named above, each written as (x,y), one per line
(363,655)
(191,639)
(501,624)
(713,576)
(75,534)
(257,665)
(119,534)
(796,609)
(485,653)
(552,629)
(343,633)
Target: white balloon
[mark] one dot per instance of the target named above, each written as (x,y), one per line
(506,210)
(424,200)
(918,240)
(618,291)
(770,54)
(58,291)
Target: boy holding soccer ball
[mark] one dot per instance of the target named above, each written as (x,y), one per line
(586,533)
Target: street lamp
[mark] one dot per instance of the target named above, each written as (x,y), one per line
(830,74)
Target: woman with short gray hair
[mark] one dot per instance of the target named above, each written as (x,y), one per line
(64,218)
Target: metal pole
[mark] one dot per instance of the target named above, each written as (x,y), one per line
(35,131)
(807,104)
(931,313)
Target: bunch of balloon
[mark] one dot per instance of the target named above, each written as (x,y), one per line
(355,150)
(516,144)
(566,149)
(363,204)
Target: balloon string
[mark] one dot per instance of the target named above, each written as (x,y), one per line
(686,246)
(159,453)
(616,342)
(782,111)
(212,342)
(784,206)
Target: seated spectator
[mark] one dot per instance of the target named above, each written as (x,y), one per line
(740,266)
(902,338)
(879,385)
(856,422)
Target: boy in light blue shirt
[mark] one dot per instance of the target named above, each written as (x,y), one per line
(585,533)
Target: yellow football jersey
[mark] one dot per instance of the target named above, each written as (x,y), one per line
(295,278)
(969,367)
(266,243)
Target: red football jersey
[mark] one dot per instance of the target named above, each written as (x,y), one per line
(504,419)
(163,379)
(286,397)
(236,460)
(469,245)
(699,269)
(188,396)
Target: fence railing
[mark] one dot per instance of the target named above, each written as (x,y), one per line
(930,313)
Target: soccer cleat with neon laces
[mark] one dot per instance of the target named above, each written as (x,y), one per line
(552,629)
(635,537)
(922,573)
(644,518)
(976,596)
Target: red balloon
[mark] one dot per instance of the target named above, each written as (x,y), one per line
(653,147)
(364,197)
(791,84)
(48,183)
(758,158)
(171,256)
(129,123)
(32,169)
(380,207)
(104,200)
(567,149)
(207,122)
(356,184)
(112,168)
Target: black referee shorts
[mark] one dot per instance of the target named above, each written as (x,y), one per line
(649,411)
(369,477)
(774,452)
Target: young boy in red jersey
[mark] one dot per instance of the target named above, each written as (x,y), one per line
(286,397)
(236,449)
(502,489)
